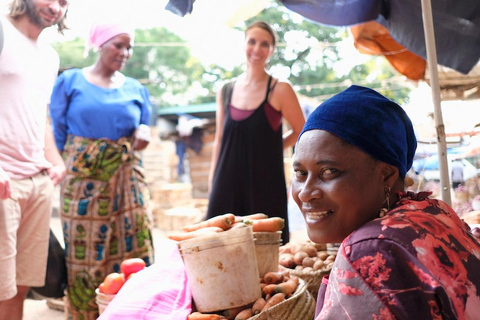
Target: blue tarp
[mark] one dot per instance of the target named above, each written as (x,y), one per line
(456,24)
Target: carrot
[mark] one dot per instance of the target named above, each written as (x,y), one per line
(267,225)
(182,235)
(237,225)
(232,313)
(269,288)
(258,306)
(274,300)
(204,316)
(273,277)
(223,221)
(245,314)
(287,287)
(253,216)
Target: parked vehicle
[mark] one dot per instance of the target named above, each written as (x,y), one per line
(429,168)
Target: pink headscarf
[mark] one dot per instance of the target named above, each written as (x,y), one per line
(102,32)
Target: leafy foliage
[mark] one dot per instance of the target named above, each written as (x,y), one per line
(309,55)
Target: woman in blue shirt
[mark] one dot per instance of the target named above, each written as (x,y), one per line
(100,119)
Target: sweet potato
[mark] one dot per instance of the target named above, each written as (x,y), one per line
(244,314)
(223,221)
(267,225)
(268,289)
(237,225)
(274,300)
(253,216)
(182,235)
(273,277)
(287,287)
(232,313)
(204,316)
(258,306)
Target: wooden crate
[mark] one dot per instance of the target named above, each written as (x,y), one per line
(173,219)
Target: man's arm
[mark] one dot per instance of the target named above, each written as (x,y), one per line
(5,191)
(58,171)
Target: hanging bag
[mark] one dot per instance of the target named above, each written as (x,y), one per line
(56,276)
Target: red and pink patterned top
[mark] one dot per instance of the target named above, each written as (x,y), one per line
(420,261)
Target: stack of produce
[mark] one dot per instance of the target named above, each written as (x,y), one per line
(258,221)
(308,261)
(283,297)
(114,281)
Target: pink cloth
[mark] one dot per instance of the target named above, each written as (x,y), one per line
(102,32)
(159,292)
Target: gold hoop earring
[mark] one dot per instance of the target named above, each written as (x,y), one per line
(384,210)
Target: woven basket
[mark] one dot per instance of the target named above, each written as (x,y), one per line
(313,279)
(300,306)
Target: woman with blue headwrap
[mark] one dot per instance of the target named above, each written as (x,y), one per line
(402,255)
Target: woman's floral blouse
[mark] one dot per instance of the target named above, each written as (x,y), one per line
(420,261)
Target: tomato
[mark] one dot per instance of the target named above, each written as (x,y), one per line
(113,283)
(130,266)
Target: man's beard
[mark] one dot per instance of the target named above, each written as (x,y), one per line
(34,15)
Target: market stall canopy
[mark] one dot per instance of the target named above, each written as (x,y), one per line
(374,39)
(456,24)
(226,12)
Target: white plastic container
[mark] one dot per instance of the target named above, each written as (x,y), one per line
(267,246)
(103,299)
(222,269)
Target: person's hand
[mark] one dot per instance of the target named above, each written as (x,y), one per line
(5,191)
(57,173)
(139,144)
(141,137)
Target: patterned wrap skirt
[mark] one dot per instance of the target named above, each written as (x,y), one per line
(105,217)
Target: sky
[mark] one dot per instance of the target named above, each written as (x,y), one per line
(203,29)
(207,30)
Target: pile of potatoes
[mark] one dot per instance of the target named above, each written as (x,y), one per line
(306,256)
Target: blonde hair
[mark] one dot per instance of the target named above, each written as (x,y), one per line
(19,8)
(265,26)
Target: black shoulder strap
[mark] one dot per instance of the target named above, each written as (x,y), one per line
(268,88)
(227,91)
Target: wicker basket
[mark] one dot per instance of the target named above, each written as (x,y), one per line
(313,279)
(300,306)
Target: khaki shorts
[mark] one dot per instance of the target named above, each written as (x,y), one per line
(24,233)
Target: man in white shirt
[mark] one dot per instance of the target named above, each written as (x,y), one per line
(30,164)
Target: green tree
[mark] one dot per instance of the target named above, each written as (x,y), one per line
(310,52)
(71,54)
(167,70)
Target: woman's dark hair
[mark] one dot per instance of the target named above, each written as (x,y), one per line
(265,26)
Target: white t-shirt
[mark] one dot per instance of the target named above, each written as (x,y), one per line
(28,70)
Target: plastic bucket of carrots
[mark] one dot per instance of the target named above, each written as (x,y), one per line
(222,269)
(103,299)
(267,245)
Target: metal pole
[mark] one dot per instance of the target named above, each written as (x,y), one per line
(434,85)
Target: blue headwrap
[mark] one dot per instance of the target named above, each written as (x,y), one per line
(369,121)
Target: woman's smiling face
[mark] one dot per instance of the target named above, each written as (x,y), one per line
(337,186)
